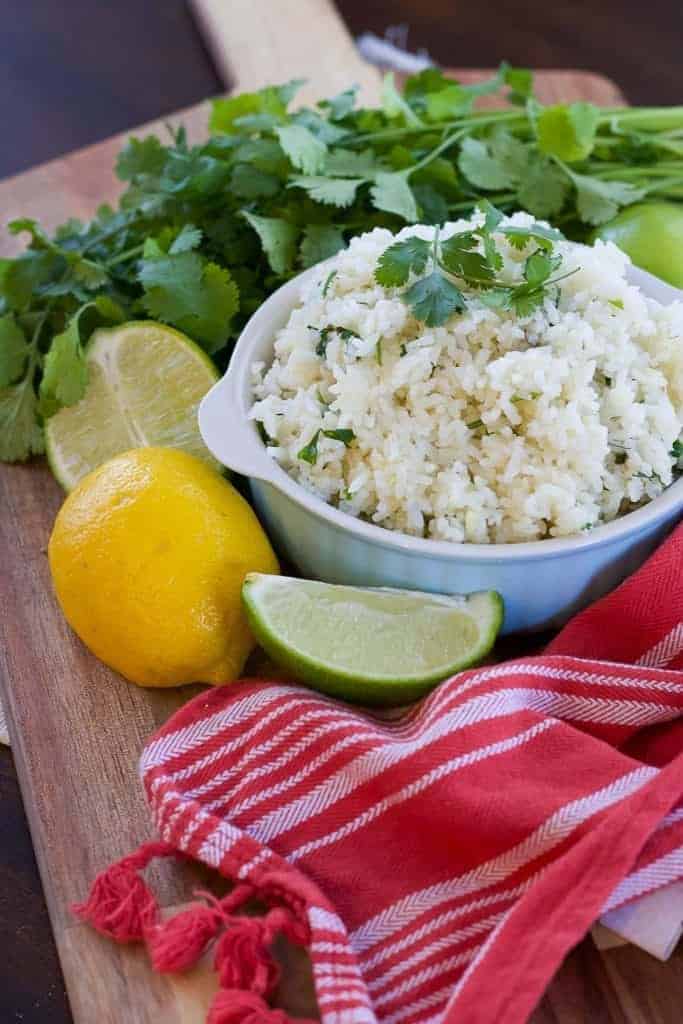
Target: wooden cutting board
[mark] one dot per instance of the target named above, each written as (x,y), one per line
(77,729)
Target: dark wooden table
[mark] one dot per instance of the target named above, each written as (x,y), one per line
(74,73)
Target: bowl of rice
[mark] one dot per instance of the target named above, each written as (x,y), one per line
(534,453)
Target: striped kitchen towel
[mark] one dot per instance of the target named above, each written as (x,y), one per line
(439,866)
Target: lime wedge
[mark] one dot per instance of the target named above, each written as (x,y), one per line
(145,384)
(375,646)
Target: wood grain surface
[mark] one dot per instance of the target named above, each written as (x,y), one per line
(77,729)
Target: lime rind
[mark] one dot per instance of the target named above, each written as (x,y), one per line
(484,608)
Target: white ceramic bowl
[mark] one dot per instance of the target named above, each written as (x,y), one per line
(542,582)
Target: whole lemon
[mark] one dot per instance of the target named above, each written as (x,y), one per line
(148,555)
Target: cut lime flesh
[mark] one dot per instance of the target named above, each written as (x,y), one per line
(375,646)
(145,384)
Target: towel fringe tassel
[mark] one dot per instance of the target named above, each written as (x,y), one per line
(122,907)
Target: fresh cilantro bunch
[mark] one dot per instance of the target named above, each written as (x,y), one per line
(203,233)
(444,269)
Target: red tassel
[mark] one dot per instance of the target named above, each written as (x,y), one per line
(177,944)
(231,1006)
(243,960)
(120,905)
(282,919)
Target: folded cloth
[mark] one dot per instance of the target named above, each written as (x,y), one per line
(439,866)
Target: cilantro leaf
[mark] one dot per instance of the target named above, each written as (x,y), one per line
(544,188)
(331,191)
(481,167)
(346,163)
(92,275)
(430,80)
(341,105)
(69,229)
(520,81)
(434,299)
(65,373)
(510,152)
(393,104)
(13,350)
(538,267)
(341,434)
(344,333)
(228,110)
(520,237)
(525,302)
(109,309)
(319,127)
(328,281)
(396,263)
(492,218)
(39,239)
(447,103)
(264,155)
(433,206)
(20,435)
(489,85)
(278,239)
(196,297)
(440,173)
(567,131)
(392,193)
(258,123)
(27,276)
(319,242)
(288,90)
(496,298)
(249,182)
(309,453)
(598,200)
(190,175)
(141,156)
(306,152)
(188,239)
(491,254)
(492,215)
(218,303)
(459,256)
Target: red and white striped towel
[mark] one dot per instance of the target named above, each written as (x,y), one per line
(439,866)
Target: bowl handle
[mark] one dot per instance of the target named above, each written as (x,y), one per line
(230,435)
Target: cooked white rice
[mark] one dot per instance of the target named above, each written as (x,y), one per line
(579,403)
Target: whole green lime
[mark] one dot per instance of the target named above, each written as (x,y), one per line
(652,235)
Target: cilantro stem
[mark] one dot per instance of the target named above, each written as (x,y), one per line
(134,250)
(33,358)
(653,118)
(435,247)
(656,119)
(628,171)
(496,199)
(446,144)
(476,118)
(104,236)
(664,186)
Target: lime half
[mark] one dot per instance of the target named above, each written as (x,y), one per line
(145,384)
(375,646)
